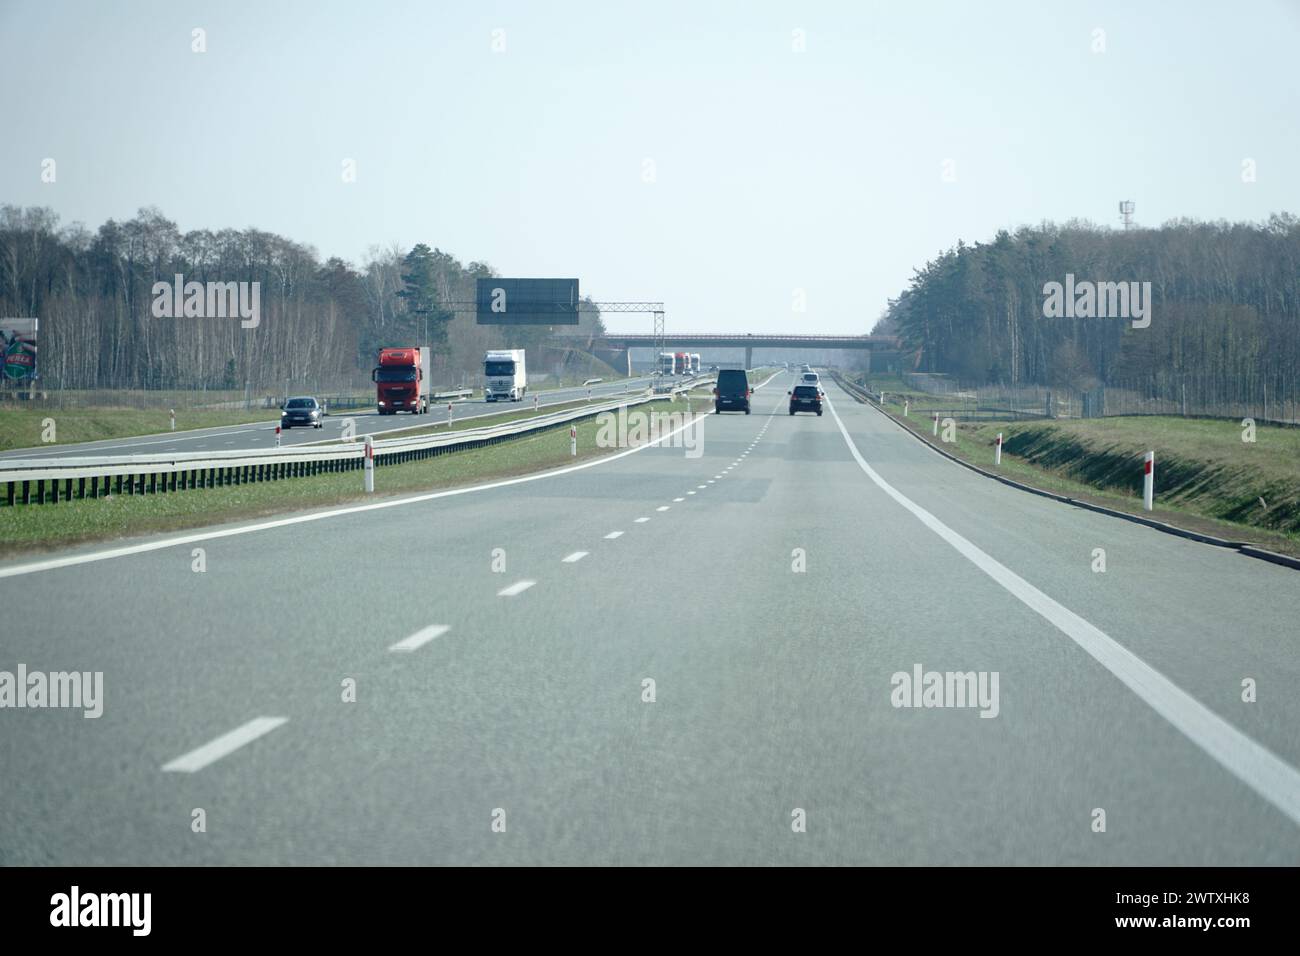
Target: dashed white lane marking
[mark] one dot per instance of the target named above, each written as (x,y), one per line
(421,637)
(701,487)
(1251,762)
(675,500)
(716,477)
(214,750)
(613,534)
(662,508)
(575,557)
(689,493)
(519,587)
(642,520)
(711,480)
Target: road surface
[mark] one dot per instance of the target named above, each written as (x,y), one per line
(515,698)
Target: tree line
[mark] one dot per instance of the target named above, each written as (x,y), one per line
(321,323)
(1225,309)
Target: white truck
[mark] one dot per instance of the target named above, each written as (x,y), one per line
(505,377)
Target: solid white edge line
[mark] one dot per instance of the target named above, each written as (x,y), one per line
(72,560)
(1251,762)
(228,743)
(420,638)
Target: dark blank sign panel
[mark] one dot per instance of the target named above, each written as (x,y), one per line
(527,302)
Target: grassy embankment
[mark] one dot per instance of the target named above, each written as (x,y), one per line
(1207,478)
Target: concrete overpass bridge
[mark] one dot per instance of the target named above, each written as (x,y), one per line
(674,341)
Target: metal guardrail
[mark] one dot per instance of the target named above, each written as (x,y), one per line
(41,481)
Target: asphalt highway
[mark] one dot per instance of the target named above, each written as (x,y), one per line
(498,644)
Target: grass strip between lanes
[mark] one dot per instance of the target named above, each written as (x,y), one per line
(41,527)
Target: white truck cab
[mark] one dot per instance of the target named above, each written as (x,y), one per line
(505,377)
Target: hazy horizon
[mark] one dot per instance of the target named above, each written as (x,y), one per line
(774,170)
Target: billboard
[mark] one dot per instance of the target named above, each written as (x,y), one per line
(527,302)
(18,351)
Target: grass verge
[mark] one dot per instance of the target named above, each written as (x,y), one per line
(1207,478)
(41,527)
(26,427)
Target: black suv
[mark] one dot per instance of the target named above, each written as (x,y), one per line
(732,391)
(302,411)
(806,398)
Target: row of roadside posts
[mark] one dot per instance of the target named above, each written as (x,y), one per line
(1148,466)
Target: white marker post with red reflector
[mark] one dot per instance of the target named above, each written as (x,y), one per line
(573,440)
(536,404)
(277,436)
(449,414)
(997,450)
(936,424)
(370,463)
(1149,480)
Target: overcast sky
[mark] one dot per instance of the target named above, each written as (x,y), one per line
(771,170)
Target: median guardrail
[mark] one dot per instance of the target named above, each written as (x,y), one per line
(47,481)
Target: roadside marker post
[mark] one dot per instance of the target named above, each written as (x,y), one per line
(936,424)
(370,463)
(536,405)
(997,450)
(449,414)
(277,436)
(173,411)
(573,440)
(907,403)
(588,394)
(1149,480)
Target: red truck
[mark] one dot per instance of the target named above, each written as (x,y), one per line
(402,381)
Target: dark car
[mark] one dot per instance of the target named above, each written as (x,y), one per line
(806,398)
(302,411)
(732,391)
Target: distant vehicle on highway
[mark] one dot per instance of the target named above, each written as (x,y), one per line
(302,410)
(810,378)
(732,391)
(402,381)
(505,375)
(805,398)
